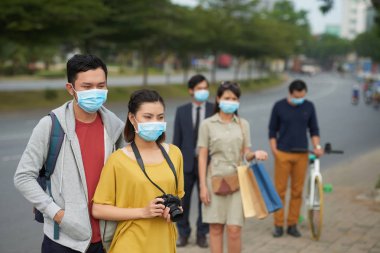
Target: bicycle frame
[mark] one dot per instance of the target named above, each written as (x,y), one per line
(314,171)
(313,205)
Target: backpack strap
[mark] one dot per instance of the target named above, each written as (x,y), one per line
(56,139)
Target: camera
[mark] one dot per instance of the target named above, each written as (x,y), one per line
(173,203)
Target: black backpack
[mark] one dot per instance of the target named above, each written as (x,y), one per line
(55,143)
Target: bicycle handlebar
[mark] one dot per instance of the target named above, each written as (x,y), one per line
(335,152)
(327,149)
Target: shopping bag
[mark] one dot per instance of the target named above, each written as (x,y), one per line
(253,203)
(268,191)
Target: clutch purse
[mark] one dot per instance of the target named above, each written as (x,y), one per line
(225,185)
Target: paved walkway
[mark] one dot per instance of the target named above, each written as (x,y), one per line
(351,220)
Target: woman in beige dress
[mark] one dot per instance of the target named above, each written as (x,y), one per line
(225,138)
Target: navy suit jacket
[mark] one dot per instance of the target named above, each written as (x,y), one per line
(184,133)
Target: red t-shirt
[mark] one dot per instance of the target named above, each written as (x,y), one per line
(91,140)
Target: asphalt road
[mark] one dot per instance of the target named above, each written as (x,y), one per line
(355,129)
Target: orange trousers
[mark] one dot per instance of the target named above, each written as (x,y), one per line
(293,165)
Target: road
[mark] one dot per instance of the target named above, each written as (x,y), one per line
(352,128)
(14,85)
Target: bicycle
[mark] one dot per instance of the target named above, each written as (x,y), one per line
(314,197)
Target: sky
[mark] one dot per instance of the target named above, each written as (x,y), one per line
(317,21)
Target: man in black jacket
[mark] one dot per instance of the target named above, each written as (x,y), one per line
(186,124)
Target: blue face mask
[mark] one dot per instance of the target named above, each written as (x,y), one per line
(201,95)
(91,100)
(228,107)
(297,101)
(150,131)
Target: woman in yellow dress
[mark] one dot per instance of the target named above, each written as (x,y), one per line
(126,192)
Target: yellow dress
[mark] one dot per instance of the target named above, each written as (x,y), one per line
(123,184)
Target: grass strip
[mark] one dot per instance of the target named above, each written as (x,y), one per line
(51,98)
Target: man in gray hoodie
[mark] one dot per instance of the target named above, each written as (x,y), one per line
(91,134)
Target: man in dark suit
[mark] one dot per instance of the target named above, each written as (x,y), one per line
(186,124)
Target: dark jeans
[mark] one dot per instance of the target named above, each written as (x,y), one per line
(183,225)
(50,246)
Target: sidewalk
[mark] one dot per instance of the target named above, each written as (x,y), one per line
(351,218)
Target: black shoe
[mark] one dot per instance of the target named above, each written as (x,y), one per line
(182,241)
(202,241)
(278,231)
(293,231)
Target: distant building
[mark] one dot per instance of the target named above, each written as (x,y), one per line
(357,15)
(267,4)
(333,30)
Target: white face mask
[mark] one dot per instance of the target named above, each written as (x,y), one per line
(228,107)
(201,95)
(91,100)
(150,131)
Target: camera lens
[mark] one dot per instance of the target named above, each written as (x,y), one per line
(175,214)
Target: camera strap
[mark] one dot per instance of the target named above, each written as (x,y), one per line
(167,158)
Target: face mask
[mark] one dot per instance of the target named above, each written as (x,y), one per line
(297,101)
(91,100)
(201,95)
(228,107)
(150,131)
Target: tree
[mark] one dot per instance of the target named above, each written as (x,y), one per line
(328,48)
(35,24)
(144,25)
(367,44)
(327,6)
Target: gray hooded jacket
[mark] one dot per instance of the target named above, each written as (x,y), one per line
(68,182)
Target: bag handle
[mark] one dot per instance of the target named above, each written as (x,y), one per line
(242,145)
(141,164)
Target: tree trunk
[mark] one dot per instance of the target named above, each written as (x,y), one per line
(87,46)
(236,71)
(46,65)
(186,66)
(185,75)
(145,68)
(213,69)
(237,68)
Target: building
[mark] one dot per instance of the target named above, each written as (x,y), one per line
(267,4)
(333,30)
(356,17)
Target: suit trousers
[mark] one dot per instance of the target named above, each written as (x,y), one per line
(293,166)
(183,225)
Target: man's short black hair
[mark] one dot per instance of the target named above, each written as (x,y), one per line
(82,63)
(196,79)
(297,85)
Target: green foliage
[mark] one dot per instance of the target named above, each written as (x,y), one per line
(38,30)
(50,94)
(44,21)
(328,48)
(326,6)
(367,44)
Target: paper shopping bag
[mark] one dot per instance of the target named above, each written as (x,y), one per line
(253,203)
(268,191)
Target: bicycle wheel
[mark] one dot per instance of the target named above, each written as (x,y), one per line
(315,211)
